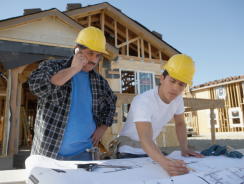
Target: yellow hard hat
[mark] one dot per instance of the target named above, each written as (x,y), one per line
(181,67)
(93,38)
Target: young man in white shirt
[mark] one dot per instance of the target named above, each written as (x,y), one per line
(151,110)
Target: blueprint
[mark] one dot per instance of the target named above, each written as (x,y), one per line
(209,170)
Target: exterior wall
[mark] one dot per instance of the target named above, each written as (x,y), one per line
(201,118)
(47,30)
(203,122)
(202,94)
(137,65)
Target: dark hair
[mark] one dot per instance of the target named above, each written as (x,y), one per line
(81,47)
(165,73)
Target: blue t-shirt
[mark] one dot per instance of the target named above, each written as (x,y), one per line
(80,125)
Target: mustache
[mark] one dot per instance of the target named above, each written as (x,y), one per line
(90,62)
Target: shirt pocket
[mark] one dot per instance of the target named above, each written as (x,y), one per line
(56,97)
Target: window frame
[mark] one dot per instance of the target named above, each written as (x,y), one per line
(136,73)
(232,125)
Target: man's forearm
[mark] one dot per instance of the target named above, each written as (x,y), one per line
(63,76)
(153,151)
(180,129)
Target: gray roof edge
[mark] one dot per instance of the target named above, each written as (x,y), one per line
(215,85)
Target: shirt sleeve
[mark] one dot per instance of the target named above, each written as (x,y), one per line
(40,79)
(109,108)
(142,110)
(181,107)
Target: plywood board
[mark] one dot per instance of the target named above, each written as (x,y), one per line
(136,65)
(115,84)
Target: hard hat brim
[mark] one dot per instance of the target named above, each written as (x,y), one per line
(180,78)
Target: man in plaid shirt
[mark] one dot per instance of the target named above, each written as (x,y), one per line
(75,105)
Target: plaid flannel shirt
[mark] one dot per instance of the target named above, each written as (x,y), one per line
(54,104)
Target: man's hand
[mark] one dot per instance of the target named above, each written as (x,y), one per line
(98,134)
(187,153)
(175,168)
(79,60)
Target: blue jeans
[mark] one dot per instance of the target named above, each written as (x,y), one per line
(84,156)
(129,155)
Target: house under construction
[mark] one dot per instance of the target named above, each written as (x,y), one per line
(134,64)
(229,119)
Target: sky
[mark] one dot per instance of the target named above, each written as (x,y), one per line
(210,31)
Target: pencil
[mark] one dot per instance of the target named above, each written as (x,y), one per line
(186,166)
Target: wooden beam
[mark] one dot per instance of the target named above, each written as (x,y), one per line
(7,121)
(102,21)
(142,48)
(138,48)
(113,72)
(160,55)
(4,82)
(127,39)
(89,20)
(130,41)
(114,20)
(123,50)
(194,104)
(124,98)
(115,33)
(22,78)
(212,126)
(85,14)
(149,49)
(84,22)
(135,58)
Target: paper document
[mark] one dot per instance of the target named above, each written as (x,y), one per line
(209,170)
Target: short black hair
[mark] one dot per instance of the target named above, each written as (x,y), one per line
(165,73)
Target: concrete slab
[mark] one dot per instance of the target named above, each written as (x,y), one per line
(6,163)
(13,176)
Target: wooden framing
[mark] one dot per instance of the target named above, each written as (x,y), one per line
(160,55)
(233,99)
(102,21)
(138,48)
(212,126)
(6,116)
(124,20)
(115,33)
(149,48)
(127,40)
(89,20)
(142,49)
